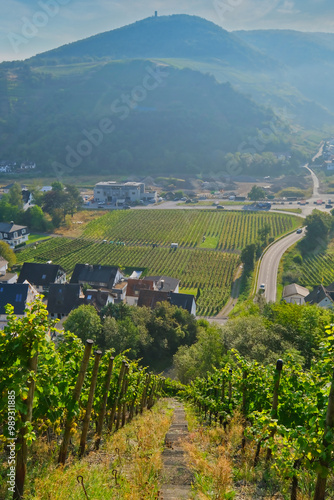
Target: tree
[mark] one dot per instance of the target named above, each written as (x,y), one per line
(256,193)
(248,256)
(15,196)
(83,322)
(7,253)
(35,219)
(318,226)
(263,233)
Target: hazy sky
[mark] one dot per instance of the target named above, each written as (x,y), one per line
(28,27)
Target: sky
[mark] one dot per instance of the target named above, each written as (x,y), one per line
(29,27)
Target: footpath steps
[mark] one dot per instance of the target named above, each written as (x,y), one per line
(176,476)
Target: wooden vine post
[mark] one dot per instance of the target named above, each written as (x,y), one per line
(320,488)
(104,404)
(279,367)
(117,394)
(75,399)
(22,452)
(89,406)
(120,403)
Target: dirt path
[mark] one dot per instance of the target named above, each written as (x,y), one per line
(234,295)
(176,476)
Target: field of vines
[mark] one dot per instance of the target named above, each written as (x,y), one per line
(205,262)
(318,268)
(209,271)
(287,416)
(230,230)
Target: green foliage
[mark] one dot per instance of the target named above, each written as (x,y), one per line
(256,193)
(7,253)
(84,322)
(152,335)
(15,196)
(318,226)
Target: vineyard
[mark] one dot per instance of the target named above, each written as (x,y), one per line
(232,230)
(206,261)
(318,269)
(60,392)
(209,272)
(288,417)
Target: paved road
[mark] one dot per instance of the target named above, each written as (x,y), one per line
(270,262)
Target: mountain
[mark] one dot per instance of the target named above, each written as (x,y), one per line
(219,95)
(161,119)
(306,59)
(176,36)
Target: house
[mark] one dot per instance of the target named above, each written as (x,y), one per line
(18,295)
(63,298)
(3,266)
(164,283)
(321,296)
(134,288)
(7,188)
(150,298)
(42,275)
(184,300)
(6,277)
(119,193)
(294,294)
(13,234)
(98,298)
(96,276)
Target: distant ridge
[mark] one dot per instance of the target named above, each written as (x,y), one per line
(192,37)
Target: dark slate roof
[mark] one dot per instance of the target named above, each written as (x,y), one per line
(318,294)
(150,298)
(94,275)
(96,298)
(169,284)
(39,274)
(15,294)
(184,300)
(63,298)
(10,227)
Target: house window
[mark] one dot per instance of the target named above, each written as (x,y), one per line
(89,297)
(1,236)
(18,297)
(5,235)
(44,277)
(1,289)
(15,234)
(23,231)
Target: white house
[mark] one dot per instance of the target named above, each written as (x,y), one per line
(118,193)
(18,295)
(294,294)
(13,234)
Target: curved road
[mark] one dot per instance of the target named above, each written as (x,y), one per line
(270,262)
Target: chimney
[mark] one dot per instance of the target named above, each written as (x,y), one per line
(156,13)
(162,282)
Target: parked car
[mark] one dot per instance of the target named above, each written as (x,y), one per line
(299,230)
(262,287)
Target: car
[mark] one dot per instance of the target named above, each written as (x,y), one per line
(299,231)
(328,206)
(220,206)
(262,287)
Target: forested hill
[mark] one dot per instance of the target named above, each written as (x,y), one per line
(184,120)
(179,36)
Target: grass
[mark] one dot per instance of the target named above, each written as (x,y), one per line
(128,465)
(210,242)
(224,470)
(33,237)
